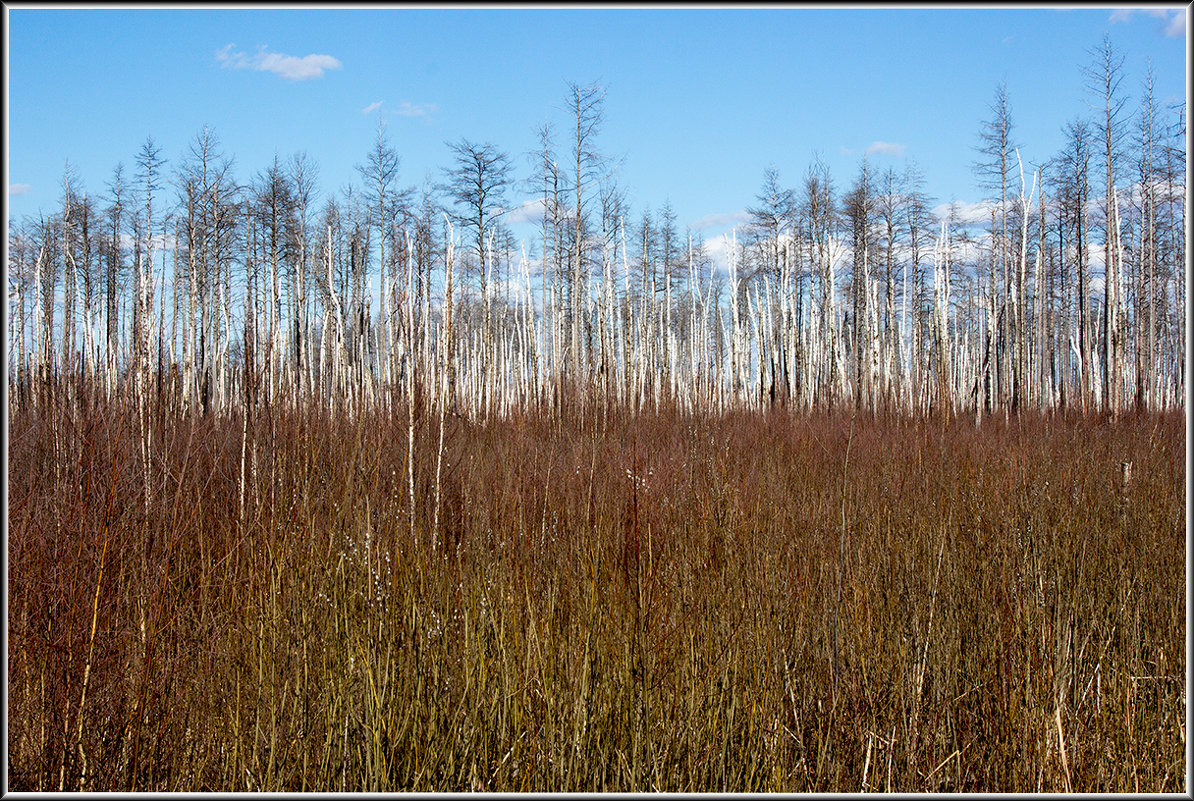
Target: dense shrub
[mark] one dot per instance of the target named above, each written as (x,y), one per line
(755,601)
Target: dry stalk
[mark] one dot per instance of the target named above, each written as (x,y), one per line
(87,667)
(924,655)
(870,739)
(841,564)
(448,388)
(410,382)
(944,762)
(1065,766)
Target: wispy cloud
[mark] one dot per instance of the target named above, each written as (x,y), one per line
(967,213)
(885,149)
(165,241)
(718,251)
(19,189)
(528,211)
(408,109)
(292,68)
(404,109)
(720,220)
(1176,27)
(1173,21)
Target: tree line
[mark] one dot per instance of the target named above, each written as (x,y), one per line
(184,285)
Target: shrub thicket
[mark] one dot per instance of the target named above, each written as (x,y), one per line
(753,601)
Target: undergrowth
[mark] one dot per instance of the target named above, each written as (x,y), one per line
(752,602)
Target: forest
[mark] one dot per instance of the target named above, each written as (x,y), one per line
(357,491)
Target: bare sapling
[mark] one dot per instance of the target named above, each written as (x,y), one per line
(448,395)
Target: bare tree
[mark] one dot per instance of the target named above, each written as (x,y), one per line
(819,211)
(273,203)
(149,166)
(210,197)
(1146,322)
(773,214)
(302,172)
(1074,200)
(859,209)
(919,224)
(994,168)
(1171,284)
(387,204)
(1104,78)
(476,184)
(890,210)
(586,106)
(114,261)
(68,230)
(24,258)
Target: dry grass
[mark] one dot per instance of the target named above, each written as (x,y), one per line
(620,603)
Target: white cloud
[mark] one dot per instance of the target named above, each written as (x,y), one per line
(372,107)
(885,149)
(292,68)
(528,211)
(1176,27)
(161,242)
(717,249)
(968,213)
(19,189)
(1173,21)
(719,220)
(408,109)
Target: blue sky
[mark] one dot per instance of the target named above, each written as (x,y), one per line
(699,101)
